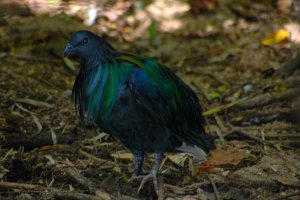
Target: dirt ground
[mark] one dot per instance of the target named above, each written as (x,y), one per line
(240,57)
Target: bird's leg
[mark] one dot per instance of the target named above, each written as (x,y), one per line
(138,161)
(158,157)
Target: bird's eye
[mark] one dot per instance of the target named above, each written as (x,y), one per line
(85,41)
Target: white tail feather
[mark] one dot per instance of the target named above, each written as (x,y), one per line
(196,151)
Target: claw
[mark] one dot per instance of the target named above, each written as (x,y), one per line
(152,175)
(145,179)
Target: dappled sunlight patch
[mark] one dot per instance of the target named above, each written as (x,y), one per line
(294,30)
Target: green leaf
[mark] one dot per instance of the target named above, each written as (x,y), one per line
(222,88)
(117,170)
(214,95)
(153,32)
(69,64)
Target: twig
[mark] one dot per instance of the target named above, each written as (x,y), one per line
(81,180)
(90,156)
(217,195)
(34,117)
(222,127)
(252,137)
(64,194)
(34,102)
(246,135)
(263,138)
(291,136)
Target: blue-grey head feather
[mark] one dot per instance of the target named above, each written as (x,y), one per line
(90,48)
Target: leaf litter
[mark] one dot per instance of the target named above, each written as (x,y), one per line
(228,52)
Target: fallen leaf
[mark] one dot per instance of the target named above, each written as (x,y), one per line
(277,37)
(230,156)
(214,95)
(123,155)
(220,108)
(57,146)
(53,136)
(205,168)
(178,158)
(280,88)
(288,180)
(117,169)
(34,102)
(198,5)
(101,136)
(50,159)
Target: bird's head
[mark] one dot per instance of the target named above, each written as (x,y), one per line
(81,43)
(87,45)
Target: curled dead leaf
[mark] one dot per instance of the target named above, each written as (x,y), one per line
(230,156)
(223,157)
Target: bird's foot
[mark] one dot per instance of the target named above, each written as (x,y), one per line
(145,179)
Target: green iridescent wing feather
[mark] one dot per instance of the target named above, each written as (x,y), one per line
(167,98)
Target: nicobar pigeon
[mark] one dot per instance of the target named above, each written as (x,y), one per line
(138,101)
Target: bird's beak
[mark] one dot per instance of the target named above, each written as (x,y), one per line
(68,50)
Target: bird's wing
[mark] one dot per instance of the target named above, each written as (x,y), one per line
(162,95)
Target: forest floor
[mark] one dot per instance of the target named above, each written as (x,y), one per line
(241,59)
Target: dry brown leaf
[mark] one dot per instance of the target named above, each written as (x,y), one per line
(205,168)
(178,158)
(230,156)
(57,146)
(197,5)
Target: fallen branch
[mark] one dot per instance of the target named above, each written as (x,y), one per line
(247,136)
(44,138)
(58,193)
(257,117)
(257,101)
(268,98)
(252,137)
